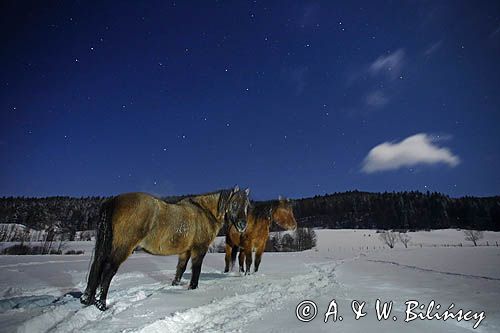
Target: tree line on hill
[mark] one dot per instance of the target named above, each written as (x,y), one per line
(353,209)
(398,210)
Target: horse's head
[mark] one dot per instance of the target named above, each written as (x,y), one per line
(283,215)
(237,208)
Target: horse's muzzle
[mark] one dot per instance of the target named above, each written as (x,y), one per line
(241,225)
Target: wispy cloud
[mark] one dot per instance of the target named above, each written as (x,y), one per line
(416,149)
(368,79)
(389,64)
(309,14)
(297,77)
(433,48)
(495,32)
(376,99)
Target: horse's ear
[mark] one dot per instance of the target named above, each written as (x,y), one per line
(279,197)
(247,191)
(236,188)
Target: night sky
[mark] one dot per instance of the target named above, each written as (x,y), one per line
(292,98)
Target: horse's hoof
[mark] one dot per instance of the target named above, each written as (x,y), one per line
(176,282)
(101,305)
(192,286)
(86,299)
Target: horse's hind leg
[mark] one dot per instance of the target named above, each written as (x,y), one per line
(258,257)
(229,255)
(196,260)
(109,270)
(181,267)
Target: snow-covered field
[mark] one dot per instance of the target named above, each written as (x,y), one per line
(39,293)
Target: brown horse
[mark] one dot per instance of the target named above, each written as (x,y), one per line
(256,234)
(185,228)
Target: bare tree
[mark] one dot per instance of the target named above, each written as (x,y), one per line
(404,238)
(473,236)
(25,236)
(389,238)
(305,239)
(3,235)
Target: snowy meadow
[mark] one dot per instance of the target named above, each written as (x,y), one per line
(343,276)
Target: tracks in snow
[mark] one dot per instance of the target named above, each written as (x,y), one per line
(436,271)
(246,298)
(233,312)
(70,316)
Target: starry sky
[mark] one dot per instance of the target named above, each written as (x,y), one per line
(311,97)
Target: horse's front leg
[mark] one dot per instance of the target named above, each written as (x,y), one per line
(181,267)
(196,261)
(248,259)
(241,260)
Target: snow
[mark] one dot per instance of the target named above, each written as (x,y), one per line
(40,293)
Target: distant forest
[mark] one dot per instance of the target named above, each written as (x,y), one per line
(354,209)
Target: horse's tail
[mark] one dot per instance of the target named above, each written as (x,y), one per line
(104,239)
(103,243)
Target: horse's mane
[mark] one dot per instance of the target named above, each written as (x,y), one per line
(223,199)
(176,198)
(262,209)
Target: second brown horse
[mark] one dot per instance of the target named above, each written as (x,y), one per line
(260,217)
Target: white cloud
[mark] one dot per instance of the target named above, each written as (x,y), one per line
(390,64)
(376,99)
(416,149)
